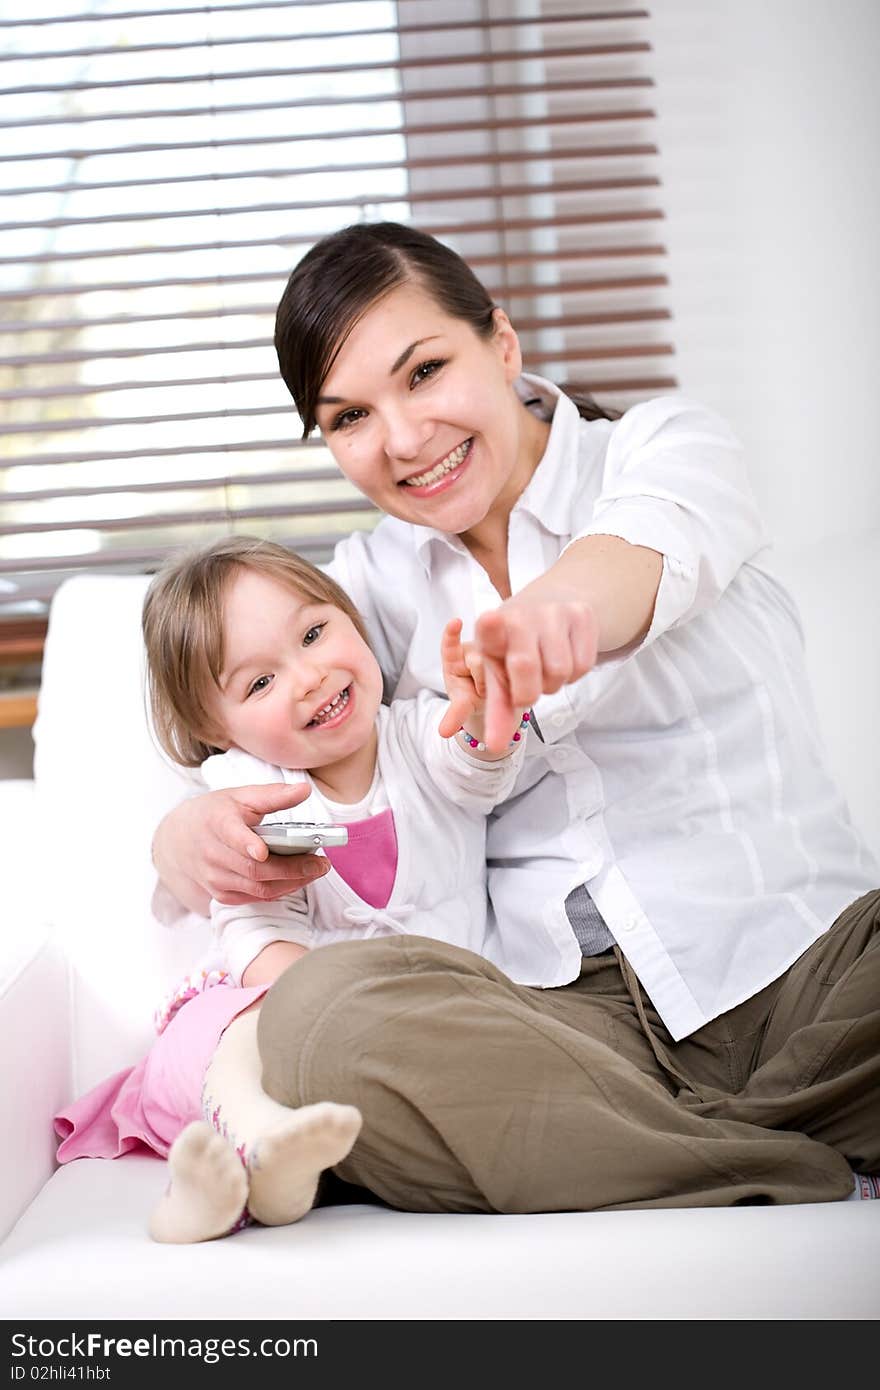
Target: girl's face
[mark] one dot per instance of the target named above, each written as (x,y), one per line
(299,687)
(420,414)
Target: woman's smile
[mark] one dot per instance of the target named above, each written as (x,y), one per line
(441,475)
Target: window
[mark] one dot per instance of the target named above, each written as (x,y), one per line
(163,168)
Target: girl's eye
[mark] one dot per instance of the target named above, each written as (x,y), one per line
(427,369)
(347,418)
(313,634)
(260,684)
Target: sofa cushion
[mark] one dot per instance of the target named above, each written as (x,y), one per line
(99,772)
(35,1047)
(81,1251)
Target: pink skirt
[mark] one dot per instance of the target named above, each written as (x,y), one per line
(146,1106)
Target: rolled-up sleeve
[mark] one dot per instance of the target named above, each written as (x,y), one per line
(477,784)
(242,931)
(675,481)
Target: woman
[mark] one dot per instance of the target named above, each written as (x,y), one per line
(679,1005)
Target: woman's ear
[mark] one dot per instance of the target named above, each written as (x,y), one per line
(505,340)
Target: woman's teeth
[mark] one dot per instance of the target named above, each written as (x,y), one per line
(336,704)
(440,470)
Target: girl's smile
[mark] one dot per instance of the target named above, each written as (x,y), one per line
(330,716)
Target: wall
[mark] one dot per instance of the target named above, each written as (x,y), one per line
(769,126)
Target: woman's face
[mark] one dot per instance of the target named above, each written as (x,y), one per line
(420,414)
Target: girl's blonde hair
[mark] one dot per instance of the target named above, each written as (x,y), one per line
(183,632)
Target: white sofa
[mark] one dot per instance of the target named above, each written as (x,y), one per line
(84,964)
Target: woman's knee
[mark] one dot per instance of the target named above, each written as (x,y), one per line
(332,1006)
(306,1000)
(304,990)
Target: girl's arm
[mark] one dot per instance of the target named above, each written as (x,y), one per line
(271,962)
(256,943)
(464,678)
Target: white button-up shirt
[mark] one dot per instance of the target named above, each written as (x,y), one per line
(684,782)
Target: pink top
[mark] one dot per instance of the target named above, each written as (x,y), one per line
(368,863)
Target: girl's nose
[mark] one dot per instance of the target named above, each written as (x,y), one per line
(306,680)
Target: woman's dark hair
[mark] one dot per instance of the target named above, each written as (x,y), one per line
(344,274)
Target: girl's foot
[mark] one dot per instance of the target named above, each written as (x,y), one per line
(284,1166)
(207,1191)
(866,1187)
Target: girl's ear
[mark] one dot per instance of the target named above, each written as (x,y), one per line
(506,342)
(214,738)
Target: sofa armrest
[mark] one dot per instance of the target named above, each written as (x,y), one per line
(35,1030)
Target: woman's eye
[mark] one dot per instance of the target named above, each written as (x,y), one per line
(347,418)
(426,370)
(313,634)
(261,683)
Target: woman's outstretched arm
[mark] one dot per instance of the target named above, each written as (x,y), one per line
(674,520)
(597,598)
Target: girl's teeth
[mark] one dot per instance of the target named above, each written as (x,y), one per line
(441,469)
(334,707)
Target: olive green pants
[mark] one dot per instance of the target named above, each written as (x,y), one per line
(482,1095)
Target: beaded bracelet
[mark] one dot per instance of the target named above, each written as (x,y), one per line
(481,747)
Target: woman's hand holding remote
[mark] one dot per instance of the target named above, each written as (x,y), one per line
(205,848)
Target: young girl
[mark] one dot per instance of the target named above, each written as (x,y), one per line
(260,672)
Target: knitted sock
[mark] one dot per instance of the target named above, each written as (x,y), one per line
(285,1150)
(865,1188)
(206,1192)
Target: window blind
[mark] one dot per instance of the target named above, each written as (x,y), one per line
(164,166)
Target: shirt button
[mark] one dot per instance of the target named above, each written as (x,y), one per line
(557,720)
(630,923)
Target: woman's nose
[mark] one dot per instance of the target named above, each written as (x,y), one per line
(405,435)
